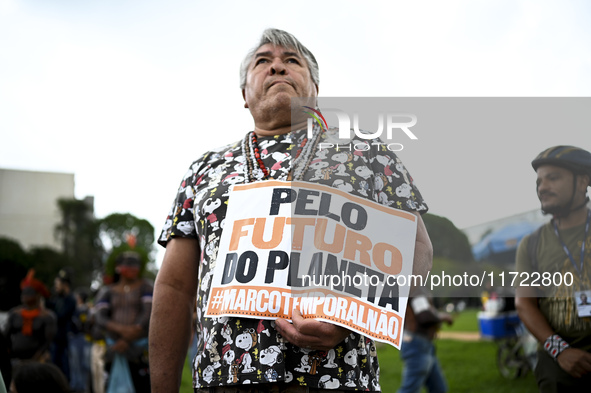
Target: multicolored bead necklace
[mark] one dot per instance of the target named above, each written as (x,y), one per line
(255,168)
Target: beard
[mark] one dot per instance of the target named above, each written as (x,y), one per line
(552,209)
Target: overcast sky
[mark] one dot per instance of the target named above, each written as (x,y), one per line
(126,94)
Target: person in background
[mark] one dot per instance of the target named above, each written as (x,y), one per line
(5,367)
(64,306)
(123,310)
(79,345)
(35,377)
(2,385)
(421,366)
(30,327)
(560,247)
(98,347)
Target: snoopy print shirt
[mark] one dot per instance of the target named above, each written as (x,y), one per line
(234,350)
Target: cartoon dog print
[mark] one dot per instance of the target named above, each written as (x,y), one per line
(304,366)
(363,187)
(233,367)
(328,382)
(387,162)
(208,374)
(342,185)
(351,358)
(350,377)
(246,341)
(269,357)
(400,168)
(363,171)
(320,169)
(364,380)
(232,179)
(342,157)
(227,334)
(210,205)
(330,357)
(314,361)
(403,190)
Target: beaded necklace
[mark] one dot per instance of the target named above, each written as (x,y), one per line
(255,168)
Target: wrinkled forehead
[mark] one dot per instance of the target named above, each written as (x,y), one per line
(270,49)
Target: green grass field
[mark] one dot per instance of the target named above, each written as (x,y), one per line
(466,321)
(468,366)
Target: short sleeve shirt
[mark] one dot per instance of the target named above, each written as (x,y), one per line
(243,350)
(557,303)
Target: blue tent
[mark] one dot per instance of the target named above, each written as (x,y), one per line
(501,244)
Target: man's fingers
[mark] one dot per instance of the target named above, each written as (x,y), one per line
(290,333)
(308,327)
(575,362)
(586,364)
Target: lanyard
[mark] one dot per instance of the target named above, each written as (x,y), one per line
(567,251)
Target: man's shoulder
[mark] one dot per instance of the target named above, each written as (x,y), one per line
(213,157)
(537,233)
(527,251)
(534,236)
(219,152)
(47,314)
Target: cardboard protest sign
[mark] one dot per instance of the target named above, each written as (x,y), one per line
(334,256)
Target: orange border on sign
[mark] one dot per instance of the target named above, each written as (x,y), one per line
(217,291)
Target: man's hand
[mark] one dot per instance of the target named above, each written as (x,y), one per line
(447,318)
(311,334)
(131,332)
(575,361)
(120,346)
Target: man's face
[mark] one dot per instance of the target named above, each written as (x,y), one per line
(555,187)
(128,269)
(29,297)
(275,75)
(58,285)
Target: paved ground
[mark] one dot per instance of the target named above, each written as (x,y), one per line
(460,336)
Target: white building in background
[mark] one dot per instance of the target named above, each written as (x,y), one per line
(28,205)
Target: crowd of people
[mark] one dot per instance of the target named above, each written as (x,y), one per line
(73,344)
(232,353)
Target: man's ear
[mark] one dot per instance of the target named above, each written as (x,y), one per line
(585,181)
(316,98)
(244,97)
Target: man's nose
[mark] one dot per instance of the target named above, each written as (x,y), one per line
(277,67)
(542,186)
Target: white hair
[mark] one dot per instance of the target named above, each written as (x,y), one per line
(285,40)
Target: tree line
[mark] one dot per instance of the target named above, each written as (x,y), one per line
(89,247)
